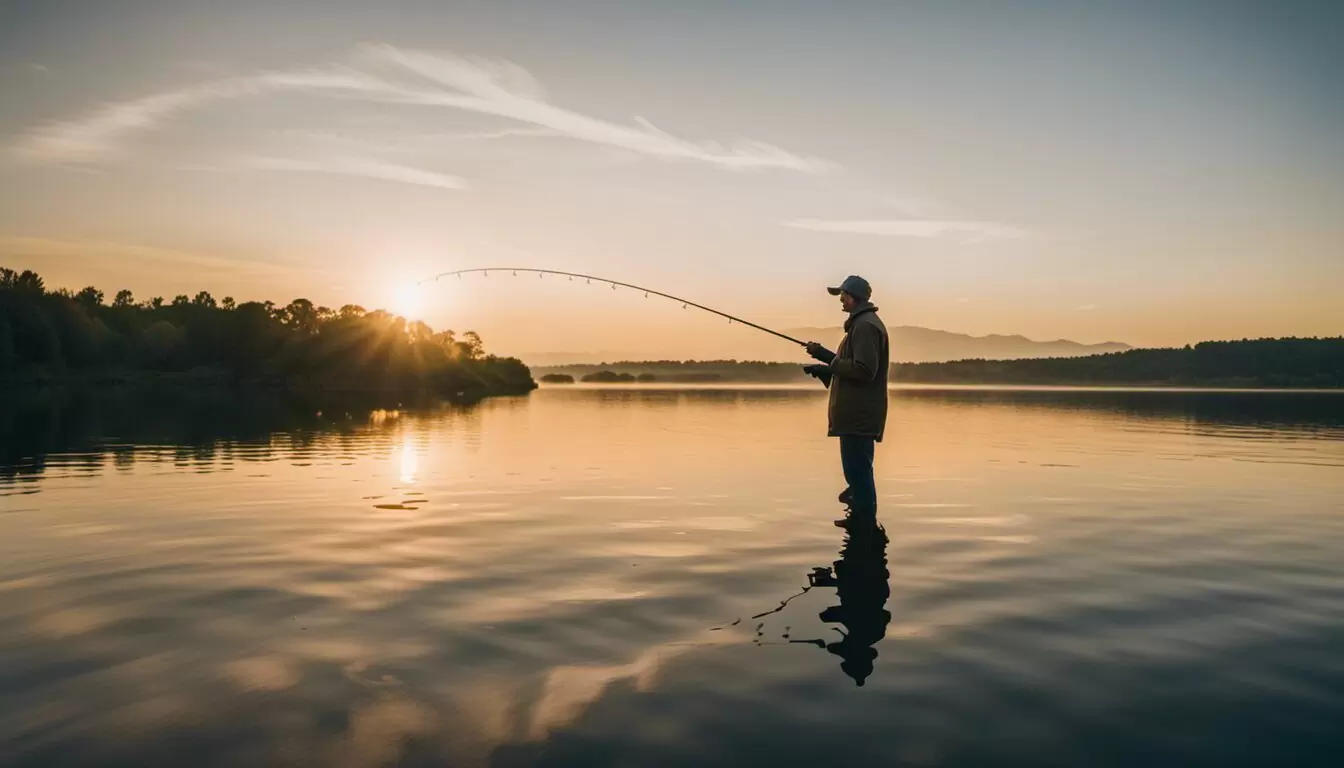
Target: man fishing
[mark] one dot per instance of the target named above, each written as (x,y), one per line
(856,375)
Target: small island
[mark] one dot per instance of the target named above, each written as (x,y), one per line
(557,378)
(63,337)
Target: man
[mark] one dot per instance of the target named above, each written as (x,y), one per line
(856,374)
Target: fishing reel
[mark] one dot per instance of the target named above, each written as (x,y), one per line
(821,576)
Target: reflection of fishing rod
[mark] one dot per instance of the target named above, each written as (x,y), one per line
(614,283)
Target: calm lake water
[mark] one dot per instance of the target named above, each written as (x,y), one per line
(592,577)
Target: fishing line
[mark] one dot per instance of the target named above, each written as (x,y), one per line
(614,284)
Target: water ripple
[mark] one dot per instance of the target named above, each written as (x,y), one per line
(622,578)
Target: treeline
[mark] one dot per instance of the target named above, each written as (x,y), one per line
(685,371)
(611,377)
(54,335)
(1288,362)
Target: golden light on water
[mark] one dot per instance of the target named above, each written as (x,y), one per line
(410,461)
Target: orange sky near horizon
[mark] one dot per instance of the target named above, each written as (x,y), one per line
(1152,175)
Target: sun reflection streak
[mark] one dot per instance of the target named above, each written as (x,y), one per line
(410,461)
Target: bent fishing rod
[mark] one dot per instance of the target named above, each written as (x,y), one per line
(614,284)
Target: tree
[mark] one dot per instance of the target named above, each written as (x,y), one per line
(29,282)
(159,344)
(204,299)
(352,312)
(124,299)
(156,302)
(8,355)
(472,345)
(35,338)
(419,331)
(300,314)
(227,303)
(89,297)
(181,300)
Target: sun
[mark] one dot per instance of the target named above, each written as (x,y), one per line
(408,300)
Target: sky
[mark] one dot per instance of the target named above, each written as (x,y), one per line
(1152,172)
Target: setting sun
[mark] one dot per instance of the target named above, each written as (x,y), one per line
(408,301)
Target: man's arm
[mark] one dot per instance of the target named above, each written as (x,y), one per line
(821,372)
(866,342)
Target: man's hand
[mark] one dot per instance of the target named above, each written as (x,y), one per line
(818,352)
(821,373)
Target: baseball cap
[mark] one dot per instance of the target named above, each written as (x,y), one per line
(855,286)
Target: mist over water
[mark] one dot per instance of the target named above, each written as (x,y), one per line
(619,576)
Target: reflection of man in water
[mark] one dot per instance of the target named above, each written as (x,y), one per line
(860,578)
(856,374)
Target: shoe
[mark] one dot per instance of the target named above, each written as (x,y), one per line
(847,496)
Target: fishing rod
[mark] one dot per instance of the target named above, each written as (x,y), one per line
(613,283)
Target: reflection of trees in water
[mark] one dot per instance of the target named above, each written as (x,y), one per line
(1306,412)
(94,430)
(674,395)
(1303,411)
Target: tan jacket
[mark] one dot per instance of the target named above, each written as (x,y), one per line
(858,405)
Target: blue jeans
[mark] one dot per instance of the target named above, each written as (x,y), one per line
(856,459)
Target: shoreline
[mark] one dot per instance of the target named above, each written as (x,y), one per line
(218,381)
(923,386)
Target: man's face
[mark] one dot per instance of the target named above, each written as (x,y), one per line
(847,301)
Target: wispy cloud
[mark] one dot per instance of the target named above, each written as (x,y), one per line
(507,133)
(968,231)
(506,90)
(500,89)
(411,142)
(360,167)
(98,136)
(94,137)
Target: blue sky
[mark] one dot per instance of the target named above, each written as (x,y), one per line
(1153,172)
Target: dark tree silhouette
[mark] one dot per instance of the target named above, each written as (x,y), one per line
(45,335)
(1289,362)
(90,297)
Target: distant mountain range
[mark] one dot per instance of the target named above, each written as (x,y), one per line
(913,344)
(909,344)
